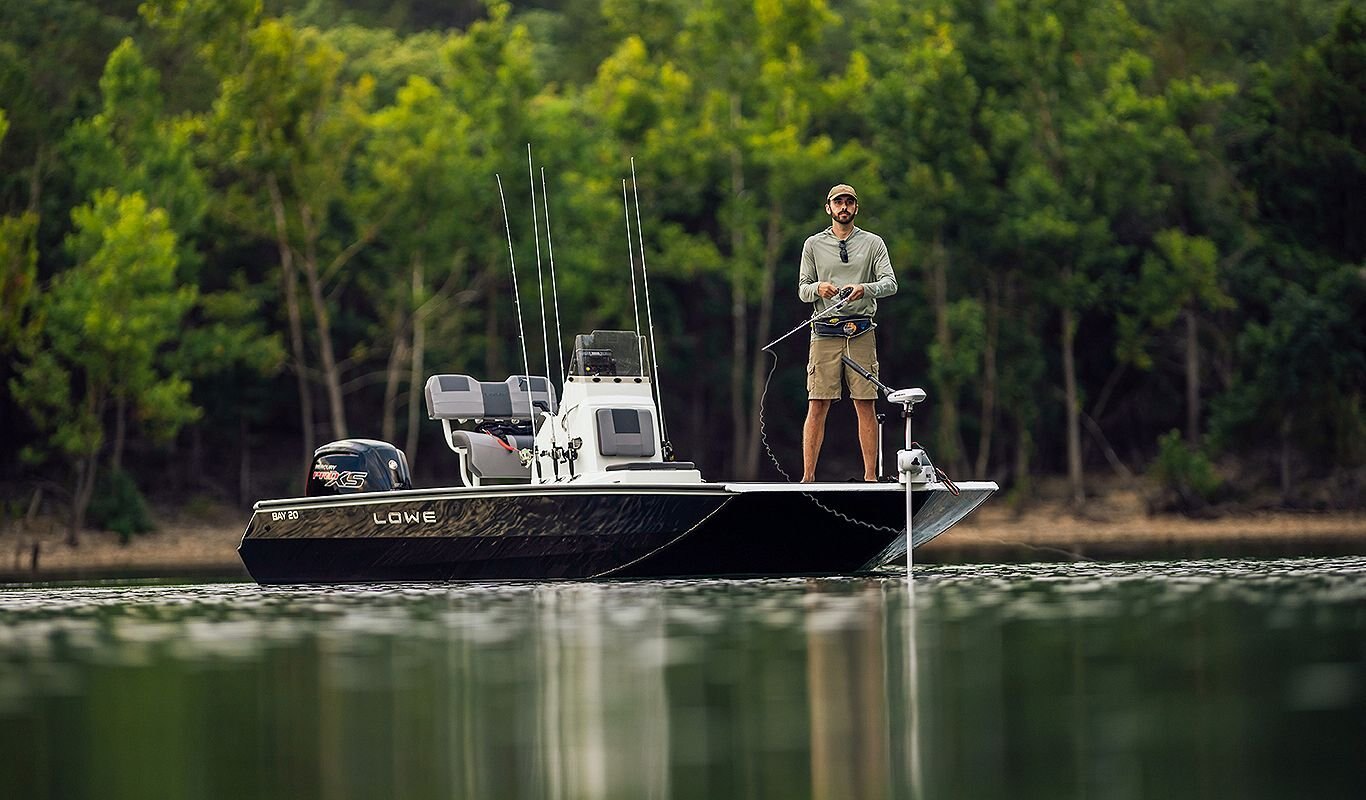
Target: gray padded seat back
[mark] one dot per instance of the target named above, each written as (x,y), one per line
(461,397)
(540,390)
(626,432)
(488,460)
(454,397)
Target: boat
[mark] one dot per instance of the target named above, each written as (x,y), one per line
(582,485)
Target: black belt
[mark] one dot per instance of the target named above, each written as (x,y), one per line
(846,327)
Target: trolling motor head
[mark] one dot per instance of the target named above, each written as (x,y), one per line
(912,464)
(907,397)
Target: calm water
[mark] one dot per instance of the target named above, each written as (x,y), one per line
(1210,679)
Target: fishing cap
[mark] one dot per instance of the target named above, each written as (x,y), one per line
(841,189)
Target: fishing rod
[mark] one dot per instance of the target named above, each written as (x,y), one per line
(843,300)
(517,301)
(540,285)
(665,446)
(554,287)
(631,262)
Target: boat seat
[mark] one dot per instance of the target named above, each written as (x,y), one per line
(484,459)
(626,432)
(462,398)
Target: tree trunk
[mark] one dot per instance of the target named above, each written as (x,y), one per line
(772,249)
(323,322)
(1192,377)
(947,449)
(493,354)
(243,463)
(1286,428)
(86,467)
(988,413)
(737,300)
(393,372)
(120,432)
(290,277)
(415,377)
(1109,452)
(1069,377)
(195,475)
(1023,481)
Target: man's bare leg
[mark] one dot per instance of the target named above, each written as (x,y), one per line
(867,437)
(813,435)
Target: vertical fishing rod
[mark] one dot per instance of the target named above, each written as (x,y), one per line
(631,260)
(517,301)
(545,339)
(650,320)
(540,285)
(554,288)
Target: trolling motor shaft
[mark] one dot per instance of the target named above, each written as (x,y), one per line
(908,464)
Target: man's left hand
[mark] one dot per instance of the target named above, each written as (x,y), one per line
(856,291)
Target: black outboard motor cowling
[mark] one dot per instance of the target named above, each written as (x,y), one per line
(352,466)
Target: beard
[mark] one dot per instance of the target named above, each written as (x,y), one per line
(844,216)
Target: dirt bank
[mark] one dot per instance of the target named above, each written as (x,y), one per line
(179,547)
(1117,526)
(1113,527)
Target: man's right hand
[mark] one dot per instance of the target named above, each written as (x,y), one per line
(827,289)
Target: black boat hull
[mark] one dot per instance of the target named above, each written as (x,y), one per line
(576,533)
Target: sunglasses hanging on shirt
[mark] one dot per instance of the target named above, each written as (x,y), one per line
(844,252)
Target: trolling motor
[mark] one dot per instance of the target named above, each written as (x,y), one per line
(912,464)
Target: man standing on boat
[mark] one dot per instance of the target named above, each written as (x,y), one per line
(842,260)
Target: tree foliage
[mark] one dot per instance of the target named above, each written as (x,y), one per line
(1109,220)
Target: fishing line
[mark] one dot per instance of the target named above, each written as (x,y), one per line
(843,299)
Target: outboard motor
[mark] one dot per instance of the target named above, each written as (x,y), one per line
(352,466)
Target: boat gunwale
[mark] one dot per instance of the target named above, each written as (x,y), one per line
(552,489)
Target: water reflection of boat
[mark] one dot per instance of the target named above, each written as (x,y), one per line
(576,487)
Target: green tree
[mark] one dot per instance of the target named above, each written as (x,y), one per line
(285,130)
(1299,351)
(1178,280)
(18,270)
(417,158)
(1087,138)
(51,56)
(132,145)
(18,265)
(1299,383)
(105,326)
(940,187)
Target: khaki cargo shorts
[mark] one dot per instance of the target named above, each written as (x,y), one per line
(824,367)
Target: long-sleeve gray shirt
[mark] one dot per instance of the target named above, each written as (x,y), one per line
(868,264)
